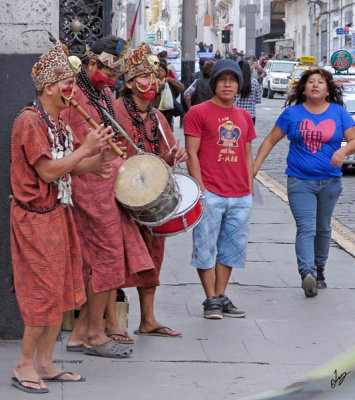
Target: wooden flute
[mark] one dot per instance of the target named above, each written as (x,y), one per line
(95,125)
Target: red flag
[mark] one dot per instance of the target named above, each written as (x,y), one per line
(134,20)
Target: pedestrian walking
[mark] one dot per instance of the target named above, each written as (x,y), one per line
(315,123)
(176,88)
(200,90)
(44,244)
(218,141)
(250,94)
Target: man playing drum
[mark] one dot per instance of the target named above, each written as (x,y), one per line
(44,244)
(141,121)
(113,251)
(218,141)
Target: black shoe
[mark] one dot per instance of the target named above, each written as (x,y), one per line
(309,286)
(212,308)
(321,284)
(229,309)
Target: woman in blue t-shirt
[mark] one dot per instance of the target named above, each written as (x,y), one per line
(315,127)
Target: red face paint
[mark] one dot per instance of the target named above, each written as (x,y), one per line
(67,91)
(99,81)
(150,94)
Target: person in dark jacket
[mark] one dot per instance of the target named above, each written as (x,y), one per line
(200,89)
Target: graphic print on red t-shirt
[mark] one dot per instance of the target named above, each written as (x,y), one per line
(228,138)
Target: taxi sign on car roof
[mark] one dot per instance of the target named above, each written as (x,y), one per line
(308,59)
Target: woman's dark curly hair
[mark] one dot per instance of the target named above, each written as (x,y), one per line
(297,91)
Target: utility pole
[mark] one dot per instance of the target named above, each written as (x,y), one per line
(188,40)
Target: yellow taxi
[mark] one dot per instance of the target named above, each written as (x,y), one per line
(306,62)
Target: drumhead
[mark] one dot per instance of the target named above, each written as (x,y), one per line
(140,180)
(189,192)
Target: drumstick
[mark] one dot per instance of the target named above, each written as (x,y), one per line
(95,125)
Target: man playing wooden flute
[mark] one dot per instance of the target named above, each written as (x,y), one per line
(44,244)
(113,251)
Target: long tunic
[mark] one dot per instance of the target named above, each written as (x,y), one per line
(44,247)
(113,251)
(154,244)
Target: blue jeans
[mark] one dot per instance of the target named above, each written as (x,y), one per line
(312,204)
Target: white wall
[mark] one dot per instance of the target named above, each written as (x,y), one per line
(297,22)
(15,19)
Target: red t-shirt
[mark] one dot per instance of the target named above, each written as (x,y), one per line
(224,133)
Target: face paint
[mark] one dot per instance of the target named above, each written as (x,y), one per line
(148,91)
(99,81)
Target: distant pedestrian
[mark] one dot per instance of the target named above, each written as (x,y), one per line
(250,94)
(315,126)
(217,55)
(323,63)
(200,89)
(218,141)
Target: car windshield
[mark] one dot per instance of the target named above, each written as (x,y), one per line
(350,105)
(282,67)
(299,72)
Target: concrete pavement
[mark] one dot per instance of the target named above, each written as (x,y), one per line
(283,337)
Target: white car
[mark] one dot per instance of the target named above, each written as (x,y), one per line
(277,76)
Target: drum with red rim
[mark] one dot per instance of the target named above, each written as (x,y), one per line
(189,212)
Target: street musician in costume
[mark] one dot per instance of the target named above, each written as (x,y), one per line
(44,244)
(141,122)
(113,251)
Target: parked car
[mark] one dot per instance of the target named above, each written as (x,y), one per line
(276,78)
(349,104)
(306,62)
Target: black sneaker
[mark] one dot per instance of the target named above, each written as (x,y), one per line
(229,309)
(321,284)
(309,286)
(212,308)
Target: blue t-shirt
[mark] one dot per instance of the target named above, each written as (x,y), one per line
(313,140)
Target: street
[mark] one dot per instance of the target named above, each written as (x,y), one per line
(275,165)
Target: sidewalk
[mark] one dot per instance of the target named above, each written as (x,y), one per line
(283,337)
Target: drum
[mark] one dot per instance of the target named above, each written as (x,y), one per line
(189,211)
(146,189)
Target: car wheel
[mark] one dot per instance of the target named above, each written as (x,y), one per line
(264,94)
(270,93)
(344,167)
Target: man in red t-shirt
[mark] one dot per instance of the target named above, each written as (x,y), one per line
(218,142)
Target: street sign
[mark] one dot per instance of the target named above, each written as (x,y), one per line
(341,60)
(342,31)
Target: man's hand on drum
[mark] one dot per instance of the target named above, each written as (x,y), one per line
(97,138)
(176,155)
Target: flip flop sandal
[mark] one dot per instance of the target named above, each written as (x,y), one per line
(122,335)
(58,378)
(156,332)
(19,384)
(77,348)
(110,349)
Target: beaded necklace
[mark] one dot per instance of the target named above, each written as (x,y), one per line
(62,145)
(139,125)
(94,98)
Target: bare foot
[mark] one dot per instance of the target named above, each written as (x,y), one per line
(26,372)
(51,372)
(145,328)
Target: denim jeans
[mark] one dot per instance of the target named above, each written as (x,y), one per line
(312,204)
